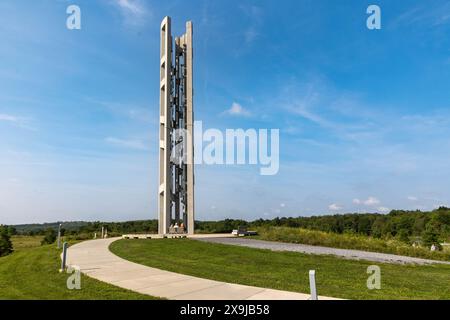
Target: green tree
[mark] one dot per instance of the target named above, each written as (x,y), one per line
(12,231)
(431,236)
(49,237)
(403,235)
(5,242)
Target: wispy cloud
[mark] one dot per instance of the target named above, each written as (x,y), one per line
(128,111)
(425,15)
(125,143)
(255,17)
(312,99)
(8,118)
(134,12)
(21,122)
(237,110)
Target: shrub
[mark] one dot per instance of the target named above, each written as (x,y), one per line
(431,237)
(403,236)
(49,237)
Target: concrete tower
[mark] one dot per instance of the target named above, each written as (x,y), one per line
(176,147)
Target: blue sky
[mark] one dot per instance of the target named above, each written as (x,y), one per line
(364,116)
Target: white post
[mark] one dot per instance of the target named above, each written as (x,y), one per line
(312,284)
(64,257)
(59,236)
(103,232)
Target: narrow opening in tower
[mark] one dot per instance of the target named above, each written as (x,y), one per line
(162,101)
(162,135)
(163,41)
(163,70)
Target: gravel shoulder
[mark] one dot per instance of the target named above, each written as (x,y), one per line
(343,253)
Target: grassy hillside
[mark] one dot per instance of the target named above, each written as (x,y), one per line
(286,270)
(31,272)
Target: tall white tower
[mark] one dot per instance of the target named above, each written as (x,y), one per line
(176,147)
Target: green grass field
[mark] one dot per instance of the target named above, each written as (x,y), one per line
(31,272)
(23,242)
(287,270)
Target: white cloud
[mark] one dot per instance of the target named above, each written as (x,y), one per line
(282,205)
(383,209)
(371,201)
(131,144)
(412,198)
(237,110)
(335,207)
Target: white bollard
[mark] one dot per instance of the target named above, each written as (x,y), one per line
(64,257)
(312,284)
(59,237)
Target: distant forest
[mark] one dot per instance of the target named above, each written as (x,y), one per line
(398,223)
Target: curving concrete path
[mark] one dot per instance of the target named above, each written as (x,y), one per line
(342,253)
(95,260)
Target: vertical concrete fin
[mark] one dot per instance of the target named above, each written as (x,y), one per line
(190,125)
(165,126)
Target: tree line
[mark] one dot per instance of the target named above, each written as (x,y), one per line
(401,224)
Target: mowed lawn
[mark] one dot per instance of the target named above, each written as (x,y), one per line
(287,270)
(31,272)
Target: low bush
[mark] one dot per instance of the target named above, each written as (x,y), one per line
(49,237)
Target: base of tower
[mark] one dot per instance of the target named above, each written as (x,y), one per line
(175,236)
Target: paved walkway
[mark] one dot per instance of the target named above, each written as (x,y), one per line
(95,260)
(348,254)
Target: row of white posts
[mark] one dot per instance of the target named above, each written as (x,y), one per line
(104,233)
